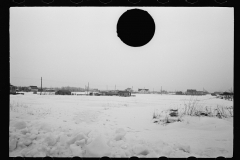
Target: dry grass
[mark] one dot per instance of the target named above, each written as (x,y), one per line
(191,108)
(16,106)
(23,108)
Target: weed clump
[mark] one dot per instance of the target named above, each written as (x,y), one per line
(191,108)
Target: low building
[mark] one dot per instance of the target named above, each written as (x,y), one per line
(227,95)
(104,93)
(95,90)
(95,94)
(191,92)
(217,93)
(109,93)
(63,92)
(179,93)
(79,93)
(143,91)
(33,88)
(12,89)
(49,90)
(124,93)
(129,90)
(201,93)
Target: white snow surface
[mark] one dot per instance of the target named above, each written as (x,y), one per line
(97,126)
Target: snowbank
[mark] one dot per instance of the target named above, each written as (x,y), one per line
(90,126)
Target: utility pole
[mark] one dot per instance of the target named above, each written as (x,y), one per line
(161,90)
(41,86)
(115,87)
(88,88)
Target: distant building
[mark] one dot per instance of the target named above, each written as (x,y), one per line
(227,95)
(95,90)
(129,90)
(33,88)
(109,93)
(201,93)
(163,92)
(213,94)
(63,92)
(179,93)
(79,93)
(112,93)
(12,89)
(95,93)
(124,93)
(49,90)
(217,93)
(191,92)
(144,91)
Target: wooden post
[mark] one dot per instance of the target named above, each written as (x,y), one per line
(41,86)
(88,88)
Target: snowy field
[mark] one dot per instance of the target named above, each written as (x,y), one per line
(97,126)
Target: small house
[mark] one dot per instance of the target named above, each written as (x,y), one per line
(217,93)
(112,93)
(104,93)
(200,93)
(95,93)
(109,93)
(191,92)
(124,93)
(79,93)
(143,91)
(12,89)
(179,93)
(33,88)
(50,90)
(129,90)
(63,92)
(227,95)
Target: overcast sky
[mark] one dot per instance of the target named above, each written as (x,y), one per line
(192,48)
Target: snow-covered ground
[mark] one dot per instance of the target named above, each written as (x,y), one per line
(97,126)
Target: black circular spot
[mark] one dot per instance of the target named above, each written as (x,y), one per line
(18,158)
(105,158)
(162,158)
(47,158)
(220,158)
(76,158)
(135,27)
